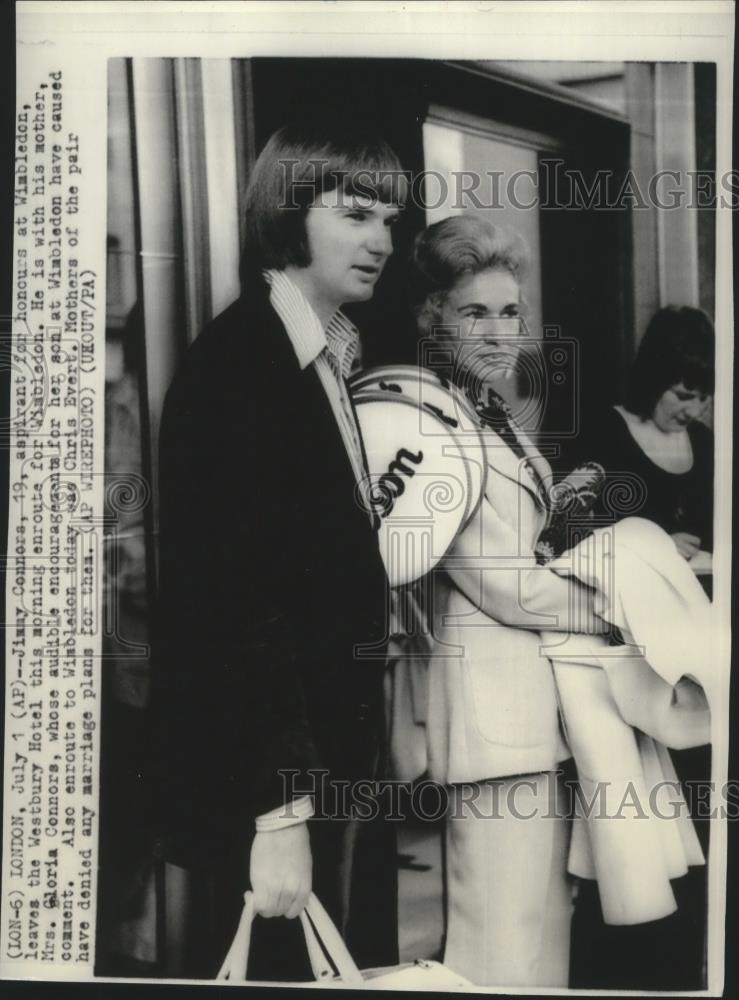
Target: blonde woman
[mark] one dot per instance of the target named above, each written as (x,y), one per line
(493,728)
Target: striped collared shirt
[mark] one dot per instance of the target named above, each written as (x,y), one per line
(330,351)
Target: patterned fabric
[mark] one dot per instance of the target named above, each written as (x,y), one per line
(331,351)
(304,327)
(496,414)
(568,502)
(343,342)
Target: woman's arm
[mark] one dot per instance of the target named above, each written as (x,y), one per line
(495,570)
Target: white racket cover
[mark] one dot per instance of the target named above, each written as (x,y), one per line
(432,393)
(422,485)
(438,402)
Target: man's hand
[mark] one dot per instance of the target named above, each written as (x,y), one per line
(687,545)
(281,869)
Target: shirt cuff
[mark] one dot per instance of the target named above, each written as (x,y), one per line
(290,814)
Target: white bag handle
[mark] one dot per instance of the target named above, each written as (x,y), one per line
(237,955)
(332,941)
(316,925)
(319,963)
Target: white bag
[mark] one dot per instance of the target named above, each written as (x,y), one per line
(330,959)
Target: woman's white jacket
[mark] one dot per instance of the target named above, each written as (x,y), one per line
(490,706)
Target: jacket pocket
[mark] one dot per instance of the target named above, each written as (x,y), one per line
(509,691)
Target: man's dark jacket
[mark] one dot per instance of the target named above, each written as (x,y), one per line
(270,577)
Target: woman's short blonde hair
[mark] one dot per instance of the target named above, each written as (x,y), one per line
(452,249)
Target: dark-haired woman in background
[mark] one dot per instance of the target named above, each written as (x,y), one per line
(657,444)
(656,441)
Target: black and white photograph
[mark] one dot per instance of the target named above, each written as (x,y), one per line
(368,588)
